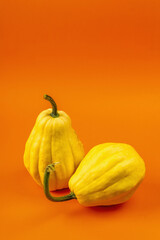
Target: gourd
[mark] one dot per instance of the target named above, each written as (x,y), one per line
(108,175)
(53,140)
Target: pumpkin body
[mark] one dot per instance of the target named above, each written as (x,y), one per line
(108,175)
(53,140)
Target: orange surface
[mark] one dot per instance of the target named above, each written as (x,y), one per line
(100,62)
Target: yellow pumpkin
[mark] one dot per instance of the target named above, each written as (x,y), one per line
(53,140)
(109,174)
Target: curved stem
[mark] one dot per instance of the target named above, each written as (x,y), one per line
(48,170)
(54,105)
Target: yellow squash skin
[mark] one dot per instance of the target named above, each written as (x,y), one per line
(53,140)
(108,175)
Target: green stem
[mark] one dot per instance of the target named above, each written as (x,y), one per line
(48,170)
(54,113)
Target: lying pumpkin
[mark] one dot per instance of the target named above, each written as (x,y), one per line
(108,175)
(53,140)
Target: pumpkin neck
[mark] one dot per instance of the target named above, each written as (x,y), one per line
(67,197)
(54,112)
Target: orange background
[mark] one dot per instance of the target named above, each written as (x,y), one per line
(100,62)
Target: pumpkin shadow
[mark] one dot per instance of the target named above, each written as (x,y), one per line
(60,192)
(96,211)
(111,208)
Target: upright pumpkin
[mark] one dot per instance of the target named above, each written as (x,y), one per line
(53,141)
(109,174)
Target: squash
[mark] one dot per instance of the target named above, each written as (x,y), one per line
(53,140)
(108,175)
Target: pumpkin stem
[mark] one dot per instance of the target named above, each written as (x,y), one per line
(48,170)
(54,105)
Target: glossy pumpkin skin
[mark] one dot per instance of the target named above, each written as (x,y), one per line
(108,175)
(53,140)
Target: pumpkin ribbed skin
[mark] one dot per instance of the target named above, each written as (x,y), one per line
(108,175)
(53,140)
